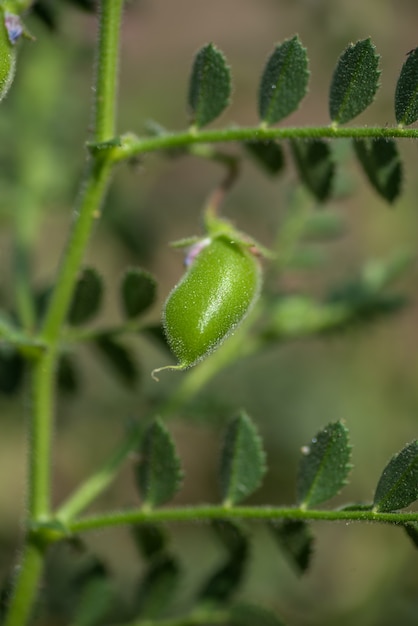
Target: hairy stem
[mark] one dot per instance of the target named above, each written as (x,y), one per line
(27,579)
(212,512)
(132,146)
(44,364)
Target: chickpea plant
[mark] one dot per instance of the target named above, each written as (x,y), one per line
(219,300)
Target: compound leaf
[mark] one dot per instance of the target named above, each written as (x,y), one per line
(242,460)
(137,291)
(296,540)
(315,166)
(158,473)
(398,484)
(355,81)
(382,165)
(210,85)
(406,94)
(87,297)
(119,358)
(324,466)
(268,154)
(284,82)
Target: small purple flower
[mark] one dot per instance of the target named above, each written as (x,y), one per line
(14,26)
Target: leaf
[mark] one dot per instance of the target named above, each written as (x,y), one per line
(324,466)
(158,474)
(87,297)
(67,375)
(268,154)
(12,368)
(398,484)
(210,85)
(157,587)
(315,165)
(242,460)
(382,165)
(138,291)
(355,81)
(119,358)
(252,615)
(296,540)
(406,94)
(284,82)
(150,539)
(227,578)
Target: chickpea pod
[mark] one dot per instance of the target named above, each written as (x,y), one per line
(7,57)
(215,294)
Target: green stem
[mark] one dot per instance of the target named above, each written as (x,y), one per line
(41,432)
(43,366)
(132,146)
(107,69)
(98,174)
(26,586)
(206,513)
(94,189)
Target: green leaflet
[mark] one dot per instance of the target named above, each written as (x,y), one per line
(398,484)
(268,154)
(138,291)
(226,579)
(354,82)
(315,165)
(209,86)
(87,297)
(284,82)
(119,358)
(242,460)
(156,590)
(158,473)
(324,466)
(382,165)
(296,540)
(406,94)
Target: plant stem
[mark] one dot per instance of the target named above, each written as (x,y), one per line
(88,210)
(211,512)
(107,69)
(43,366)
(26,586)
(41,432)
(132,146)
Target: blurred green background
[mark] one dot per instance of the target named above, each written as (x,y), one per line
(361,574)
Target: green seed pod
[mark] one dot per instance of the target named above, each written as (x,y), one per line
(213,297)
(7,58)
